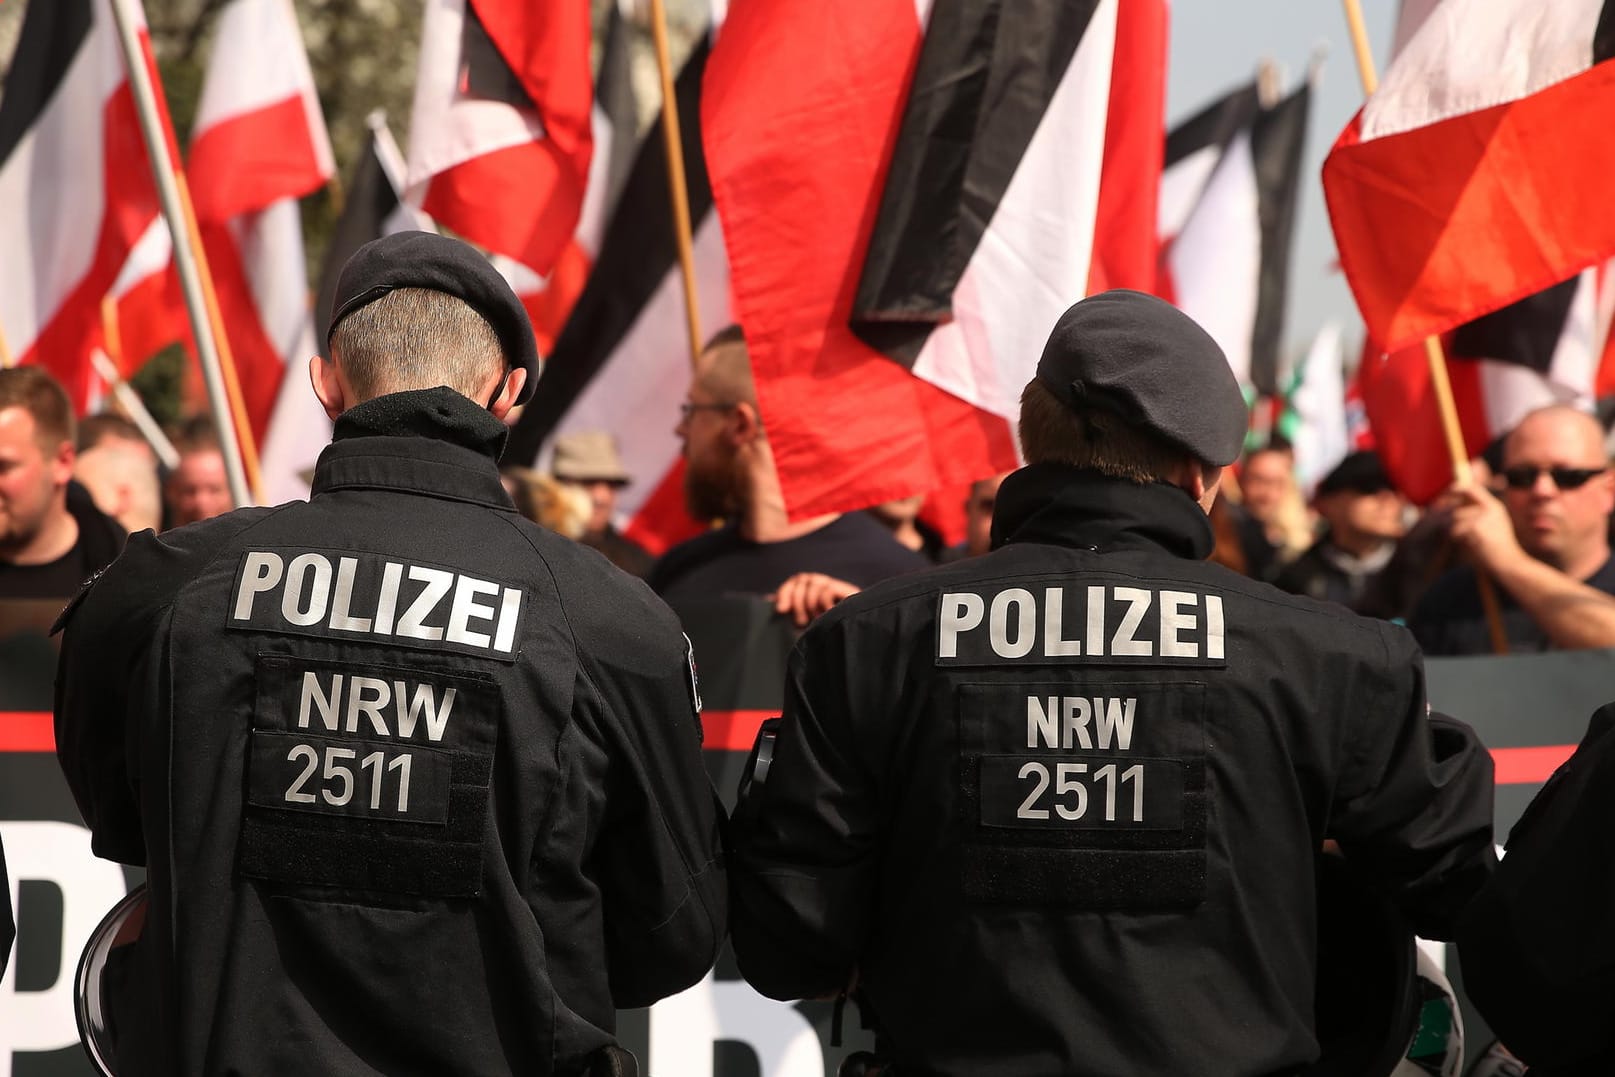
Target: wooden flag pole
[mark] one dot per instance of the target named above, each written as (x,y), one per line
(7,360)
(677,189)
(182,230)
(1434,356)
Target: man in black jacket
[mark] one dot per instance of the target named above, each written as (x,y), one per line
(1055,809)
(417,784)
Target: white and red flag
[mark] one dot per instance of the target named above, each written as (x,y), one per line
(259,144)
(1477,174)
(76,190)
(500,133)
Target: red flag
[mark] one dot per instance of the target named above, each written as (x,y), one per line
(800,108)
(1478,172)
(1124,242)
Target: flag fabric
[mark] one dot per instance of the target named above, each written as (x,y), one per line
(1549,348)
(989,216)
(259,144)
(374,207)
(1315,418)
(1124,245)
(1228,201)
(799,202)
(500,132)
(622,350)
(1472,178)
(76,186)
(549,298)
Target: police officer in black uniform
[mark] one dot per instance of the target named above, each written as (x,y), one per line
(1538,943)
(1054,810)
(416,783)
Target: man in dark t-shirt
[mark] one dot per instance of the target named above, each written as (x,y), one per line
(52,537)
(729,474)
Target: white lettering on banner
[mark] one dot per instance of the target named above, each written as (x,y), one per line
(59,854)
(684,1028)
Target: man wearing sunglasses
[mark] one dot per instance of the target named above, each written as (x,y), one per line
(1544,539)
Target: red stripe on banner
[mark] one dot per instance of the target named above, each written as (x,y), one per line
(731,731)
(29,731)
(246,162)
(1529,766)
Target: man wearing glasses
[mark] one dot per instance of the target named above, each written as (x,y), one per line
(1545,541)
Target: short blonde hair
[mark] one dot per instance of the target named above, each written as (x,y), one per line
(416,338)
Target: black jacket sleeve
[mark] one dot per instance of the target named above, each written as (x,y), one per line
(658,858)
(99,687)
(804,848)
(8,925)
(1413,807)
(1538,943)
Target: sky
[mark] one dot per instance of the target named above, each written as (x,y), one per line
(1215,46)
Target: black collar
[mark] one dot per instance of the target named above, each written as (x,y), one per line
(1065,506)
(431,441)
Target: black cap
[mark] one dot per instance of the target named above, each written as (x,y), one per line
(428,260)
(1360,472)
(1141,358)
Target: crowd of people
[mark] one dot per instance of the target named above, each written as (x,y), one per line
(1047,801)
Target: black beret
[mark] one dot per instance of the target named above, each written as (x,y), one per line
(428,260)
(1141,358)
(1360,472)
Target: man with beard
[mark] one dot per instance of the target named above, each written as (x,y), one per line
(729,475)
(1545,541)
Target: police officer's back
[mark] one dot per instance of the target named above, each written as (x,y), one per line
(1055,809)
(417,784)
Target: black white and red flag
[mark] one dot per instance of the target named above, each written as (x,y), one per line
(76,191)
(500,132)
(1228,199)
(1552,347)
(1023,177)
(374,207)
(1477,174)
(549,297)
(935,199)
(622,352)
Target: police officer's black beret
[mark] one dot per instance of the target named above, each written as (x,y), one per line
(428,260)
(1143,359)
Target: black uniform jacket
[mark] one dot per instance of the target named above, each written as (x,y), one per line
(1056,808)
(1538,943)
(417,783)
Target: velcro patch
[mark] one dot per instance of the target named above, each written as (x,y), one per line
(1084,792)
(368,777)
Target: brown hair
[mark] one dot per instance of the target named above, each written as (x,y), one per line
(725,368)
(94,429)
(32,389)
(1095,440)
